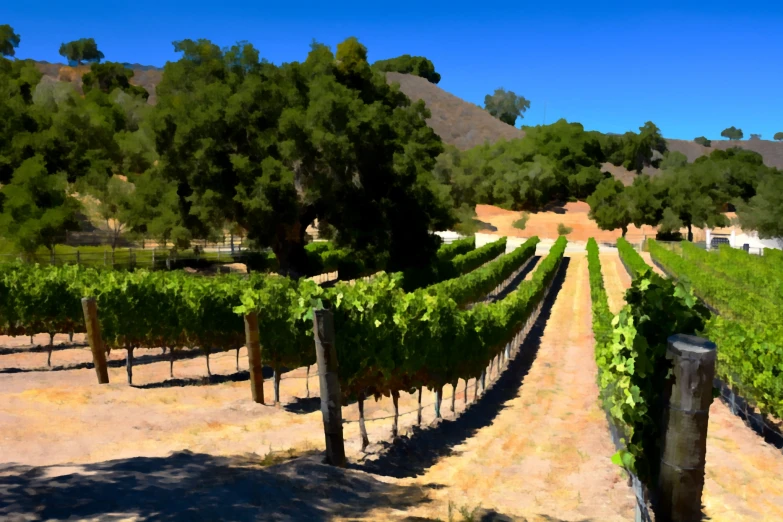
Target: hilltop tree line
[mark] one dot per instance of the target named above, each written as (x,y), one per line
(235,142)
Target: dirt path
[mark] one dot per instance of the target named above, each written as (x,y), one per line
(547,452)
(744,474)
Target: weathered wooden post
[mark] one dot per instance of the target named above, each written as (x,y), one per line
(331,399)
(254,357)
(689,395)
(90,309)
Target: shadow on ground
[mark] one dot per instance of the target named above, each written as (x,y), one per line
(303,406)
(409,456)
(187,486)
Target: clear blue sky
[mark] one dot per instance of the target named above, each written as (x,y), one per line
(693,68)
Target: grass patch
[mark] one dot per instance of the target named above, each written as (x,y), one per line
(563,230)
(521,223)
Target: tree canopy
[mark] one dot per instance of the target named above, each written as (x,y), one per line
(109,76)
(81,50)
(407,64)
(275,148)
(506,106)
(778,136)
(610,206)
(701,140)
(9,40)
(732,133)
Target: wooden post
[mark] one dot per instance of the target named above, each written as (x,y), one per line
(90,309)
(689,394)
(254,357)
(153,259)
(331,399)
(78,258)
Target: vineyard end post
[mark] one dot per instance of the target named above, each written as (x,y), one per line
(688,398)
(254,357)
(90,309)
(331,402)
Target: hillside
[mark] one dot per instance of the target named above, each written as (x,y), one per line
(456,121)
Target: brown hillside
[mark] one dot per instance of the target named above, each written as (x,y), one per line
(456,121)
(771,151)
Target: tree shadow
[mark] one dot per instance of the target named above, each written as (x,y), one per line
(187,486)
(303,406)
(409,456)
(39,348)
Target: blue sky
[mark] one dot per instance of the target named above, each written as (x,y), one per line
(693,68)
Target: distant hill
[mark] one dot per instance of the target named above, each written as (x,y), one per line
(456,121)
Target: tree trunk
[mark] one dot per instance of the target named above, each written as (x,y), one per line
(483,381)
(238,358)
(418,420)
(50,348)
(362,428)
(438,399)
(206,353)
(31,339)
(396,401)
(70,337)
(129,364)
(453,395)
(276,376)
(171,362)
(690,233)
(307,381)
(625,230)
(163,350)
(475,389)
(466,393)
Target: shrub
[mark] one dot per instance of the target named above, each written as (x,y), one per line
(521,222)
(564,230)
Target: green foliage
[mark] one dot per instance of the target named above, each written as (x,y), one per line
(748,332)
(522,221)
(755,136)
(109,76)
(610,206)
(553,162)
(704,142)
(778,136)
(36,209)
(455,248)
(563,230)
(506,106)
(81,50)
(631,354)
(9,40)
(764,211)
(732,133)
(407,64)
(673,160)
(275,148)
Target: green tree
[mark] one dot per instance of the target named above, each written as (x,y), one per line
(81,50)
(755,136)
(696,195)
(35,208)
(109,76)
(778,136)
(275,148)
(673,160)
(609,206)
(647,200)
(9,40)
(704,142)
(638,149)
(732,133)
(407,64)
(764,212)
(506,105)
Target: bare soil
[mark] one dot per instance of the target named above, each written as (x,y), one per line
(743,472)
(535,445)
